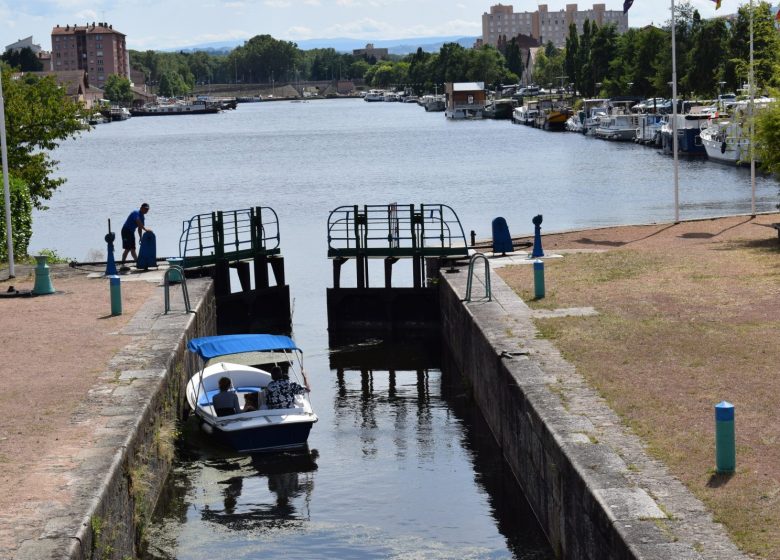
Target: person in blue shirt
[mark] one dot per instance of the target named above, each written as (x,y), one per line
(135,221)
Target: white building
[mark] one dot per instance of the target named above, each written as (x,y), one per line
(24,43)
(544,25)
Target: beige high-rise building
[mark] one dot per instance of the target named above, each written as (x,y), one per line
(98,49)
(544,25)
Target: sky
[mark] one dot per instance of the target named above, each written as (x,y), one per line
(163,24)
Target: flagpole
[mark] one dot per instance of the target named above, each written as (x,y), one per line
(674,124)
(6,185)
(751,87)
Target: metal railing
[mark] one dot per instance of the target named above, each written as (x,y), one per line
(474,258)
(395,230)
(183,281)
(229,234)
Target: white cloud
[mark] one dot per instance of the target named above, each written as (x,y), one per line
(312,2)
(87,15)
(359,27)
(235,5)
(300,32)
(278,3)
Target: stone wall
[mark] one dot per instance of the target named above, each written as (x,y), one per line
(595,492)
(119,474)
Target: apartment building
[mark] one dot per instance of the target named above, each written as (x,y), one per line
(371,52)
(96,48)
(545,25)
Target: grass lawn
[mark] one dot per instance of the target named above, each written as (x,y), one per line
(688,316)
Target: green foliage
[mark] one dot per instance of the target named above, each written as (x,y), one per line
(172,84)
(768,137)
(23,59)
(39,115)
(21,219)
(117,89)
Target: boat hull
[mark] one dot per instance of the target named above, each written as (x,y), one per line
(275,437)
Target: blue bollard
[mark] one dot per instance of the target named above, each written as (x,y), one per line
(537,250)
(116,295)
(110,262)
(725,447)
(538,279)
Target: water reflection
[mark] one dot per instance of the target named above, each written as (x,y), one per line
(401,465)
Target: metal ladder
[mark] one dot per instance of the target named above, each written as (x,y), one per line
(472,260)
(183,282)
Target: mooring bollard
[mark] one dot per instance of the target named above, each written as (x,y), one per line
(537,250)
(538,279)
(110,262)
(42,278)
(116,295)
(725,447)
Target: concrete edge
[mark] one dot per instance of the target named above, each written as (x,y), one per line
(594,489)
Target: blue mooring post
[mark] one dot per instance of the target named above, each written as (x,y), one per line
(116,295)
(538,279)
(110,262)
(725,447)
(537,250)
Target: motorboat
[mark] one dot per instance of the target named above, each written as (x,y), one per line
(688,127)
(246,360)
(616,127)
(374,95)
(592,110)
(648,130)
(167,109)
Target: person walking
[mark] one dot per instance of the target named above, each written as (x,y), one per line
(135,221)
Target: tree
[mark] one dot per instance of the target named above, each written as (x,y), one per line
(514,57)
(24,60)
(39,115)
(117,89)
(21,220)
(767,136)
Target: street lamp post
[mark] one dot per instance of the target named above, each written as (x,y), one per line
(674,124)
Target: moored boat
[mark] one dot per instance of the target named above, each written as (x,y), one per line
(196,108)
(266,428)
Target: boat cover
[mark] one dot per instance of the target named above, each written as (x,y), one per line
(208,347)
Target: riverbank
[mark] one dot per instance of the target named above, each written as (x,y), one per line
(686,315)
(83,442)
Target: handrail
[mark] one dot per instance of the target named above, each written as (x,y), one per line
(472,260)
(183,282)
(395,229)
(230,234)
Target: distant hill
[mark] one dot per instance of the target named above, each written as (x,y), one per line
(346,45)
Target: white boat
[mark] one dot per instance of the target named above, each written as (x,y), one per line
(434,103)
(375,95)
(246,360)
(616,127)
(726,138)
(166,109)
(592,110)
(525,114)
(573,124)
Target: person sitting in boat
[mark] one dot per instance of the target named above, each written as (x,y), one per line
(251,402)
(280,392)
(226,401)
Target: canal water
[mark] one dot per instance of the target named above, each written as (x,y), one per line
(400,464)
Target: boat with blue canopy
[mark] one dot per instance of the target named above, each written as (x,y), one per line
(247,362)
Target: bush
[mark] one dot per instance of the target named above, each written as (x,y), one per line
(21,219)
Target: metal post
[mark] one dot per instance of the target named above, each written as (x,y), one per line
(674,123)
(6,184)
(116,294)
(539,279)
(725,448)
(751,112)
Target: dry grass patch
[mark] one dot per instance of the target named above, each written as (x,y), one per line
(685,321)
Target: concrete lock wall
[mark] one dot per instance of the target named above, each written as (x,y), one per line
(119,475)
(567,449)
